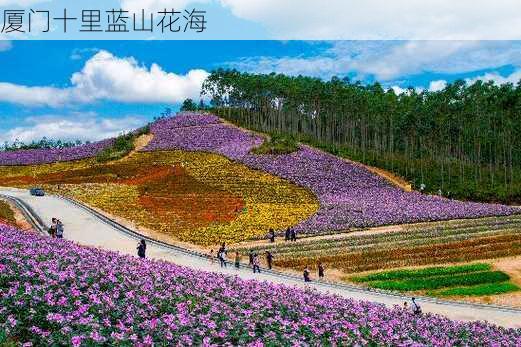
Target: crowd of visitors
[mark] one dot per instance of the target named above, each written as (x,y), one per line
(254,259)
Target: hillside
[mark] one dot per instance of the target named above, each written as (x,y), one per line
(462,140)
(55,292)
(198,173)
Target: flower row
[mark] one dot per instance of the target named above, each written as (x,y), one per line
(53,292)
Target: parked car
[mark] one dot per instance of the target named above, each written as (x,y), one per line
(37,192)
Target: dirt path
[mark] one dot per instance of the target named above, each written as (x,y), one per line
(139,143)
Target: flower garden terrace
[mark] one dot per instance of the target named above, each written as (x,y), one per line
(192,197)
(217,190)
(54,292)
(349,195)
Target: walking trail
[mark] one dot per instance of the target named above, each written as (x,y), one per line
(84,227)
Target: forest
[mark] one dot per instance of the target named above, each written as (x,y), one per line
(461,142)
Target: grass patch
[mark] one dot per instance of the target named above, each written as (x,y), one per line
(6,213)
(123,145)
(277,144)
(477,290)
(437,282)
(421,273)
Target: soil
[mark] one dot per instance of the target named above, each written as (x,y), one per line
(21,222)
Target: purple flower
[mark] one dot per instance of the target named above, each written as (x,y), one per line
(186,307)
(349,195)
(43,156)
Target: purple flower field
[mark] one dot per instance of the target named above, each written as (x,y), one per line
(54,292)
(349,195)
(44,156)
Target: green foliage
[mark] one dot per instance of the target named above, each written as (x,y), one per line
(122,146)
(44,143)
(463,140)
(277,144)
(421,273)
(437,282)
(189,105)
(478,290)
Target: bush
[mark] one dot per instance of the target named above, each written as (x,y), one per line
(277,144)
(123,145)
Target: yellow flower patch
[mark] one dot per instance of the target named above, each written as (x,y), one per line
(193,197)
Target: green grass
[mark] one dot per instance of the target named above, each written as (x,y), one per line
(477,290)
(122,146)
(462,280)
(277,144)
(421,273)
(437,282)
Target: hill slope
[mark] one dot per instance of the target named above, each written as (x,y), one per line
(349,195)
(206,198)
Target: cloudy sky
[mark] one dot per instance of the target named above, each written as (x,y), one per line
(89,90)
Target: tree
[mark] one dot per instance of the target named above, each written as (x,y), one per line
(189,105)
(464,139)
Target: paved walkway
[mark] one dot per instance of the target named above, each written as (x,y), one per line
(85,228)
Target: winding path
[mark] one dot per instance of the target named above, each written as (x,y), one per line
(88,227)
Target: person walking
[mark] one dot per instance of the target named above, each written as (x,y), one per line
(251,255)
(306,275)
(269,259)
(271,235)
(320,271)
(222,257)
(293,235)
(53,227)
(256,263)
(59,229)
(416,309)
(237,260)
(212,257)
(287,234)
(141,249)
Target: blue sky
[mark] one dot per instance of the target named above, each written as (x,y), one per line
(93,89)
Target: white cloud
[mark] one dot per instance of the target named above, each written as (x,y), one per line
(436,86)
(77,126)
(399,90)
(35,96)
(388,60)
(383,19)
(497,78)
(106,77)
(5,45)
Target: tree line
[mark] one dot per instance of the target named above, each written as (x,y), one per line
(44,143)
(462,141)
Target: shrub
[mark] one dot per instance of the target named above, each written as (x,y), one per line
(277,144)
(122,146)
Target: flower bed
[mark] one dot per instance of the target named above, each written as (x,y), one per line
(349,195)
(53,292)
(415,245)
(44,156)
(194,197)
